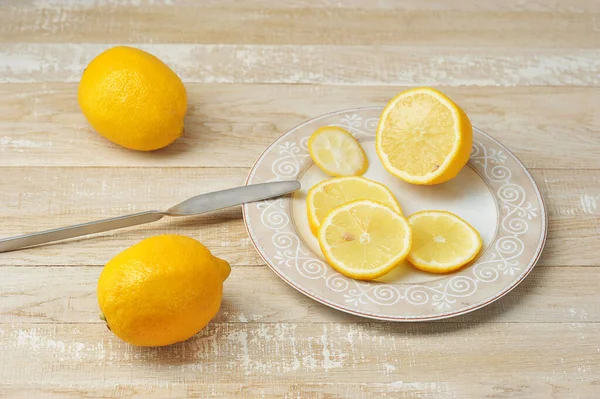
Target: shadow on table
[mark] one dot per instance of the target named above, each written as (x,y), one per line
(495,312)
(206,344)
(203,345)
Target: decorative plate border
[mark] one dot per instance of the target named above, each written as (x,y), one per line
(504,264)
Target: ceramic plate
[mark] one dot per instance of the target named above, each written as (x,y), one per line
(494,193)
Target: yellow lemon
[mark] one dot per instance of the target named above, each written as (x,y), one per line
(423,137)
(133,99)
(161,291)
(329,194)
(336,152)
(364,239)
(442,241)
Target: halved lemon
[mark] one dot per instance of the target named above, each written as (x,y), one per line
(364,239)
(442,241)
(423,137)
(328,194)
(336,152)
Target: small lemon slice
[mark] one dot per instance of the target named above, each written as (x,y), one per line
(336,152)
(328,194)
(364,239)
(442,241)
(423,137)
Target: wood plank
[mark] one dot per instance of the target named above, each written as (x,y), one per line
(525,71)
(85,194)
(544,357)
(220,24)
(323,64)
(44,198)
(41,123)
(565,295)
(510,387)
(235,5)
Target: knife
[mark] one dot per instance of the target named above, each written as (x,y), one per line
(193,206)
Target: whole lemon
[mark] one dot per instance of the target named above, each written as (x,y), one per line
(162,290)
(133,99)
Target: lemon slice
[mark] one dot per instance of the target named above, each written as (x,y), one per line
(336,152)
(442,241)
(364,239)
(328,194)
(423,137)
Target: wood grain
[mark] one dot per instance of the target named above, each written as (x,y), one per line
(516,359)
(44,198)
(527,72)
(223,232)
(322,64)
(546,296)
(41,123)
(220,24)
(507,388)
(556,6)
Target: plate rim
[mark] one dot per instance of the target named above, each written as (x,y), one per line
(404,319)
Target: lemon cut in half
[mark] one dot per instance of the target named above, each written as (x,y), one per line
(423,137)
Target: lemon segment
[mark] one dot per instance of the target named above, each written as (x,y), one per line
(442,241)
(329,194)
(364,239)
(423,137)
(336,152)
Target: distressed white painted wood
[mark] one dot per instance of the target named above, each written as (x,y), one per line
(555,6)
(322,64)
(41,123)
(45,198)
(525,71)
(546,296)
(523,359)
(387,23)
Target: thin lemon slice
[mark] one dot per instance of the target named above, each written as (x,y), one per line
(364,239)
(329,194)
(336,152)
(442,241)
(423,137)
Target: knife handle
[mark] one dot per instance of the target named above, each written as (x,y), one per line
(43,237)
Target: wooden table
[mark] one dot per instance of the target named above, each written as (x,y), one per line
(528,72)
